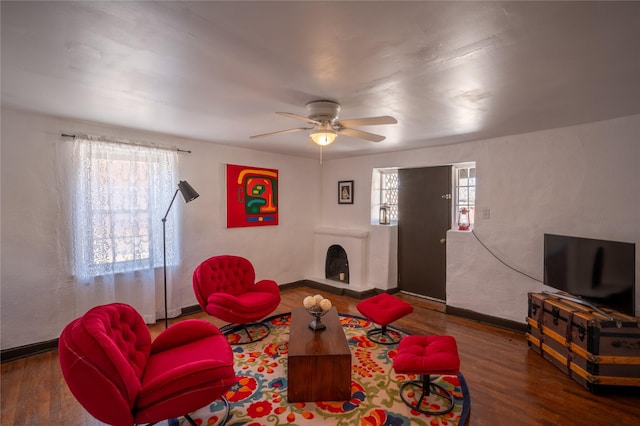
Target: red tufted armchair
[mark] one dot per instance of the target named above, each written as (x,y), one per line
(121,378)
(225,288)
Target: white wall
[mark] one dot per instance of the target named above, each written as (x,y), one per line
(580,181)
(37,297)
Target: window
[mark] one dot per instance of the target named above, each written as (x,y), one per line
(389,192)
(384,191)
(465,191)
(121,194)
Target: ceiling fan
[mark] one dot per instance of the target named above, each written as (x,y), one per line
(323,115)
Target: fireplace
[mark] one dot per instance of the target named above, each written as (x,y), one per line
(354,244)
(337,264)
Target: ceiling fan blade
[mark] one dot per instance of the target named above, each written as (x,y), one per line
(279,132)
(361,135)
(368,121)
(298,117)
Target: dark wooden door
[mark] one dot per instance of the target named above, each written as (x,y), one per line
(424,217)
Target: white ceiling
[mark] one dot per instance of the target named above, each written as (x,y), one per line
(218,71)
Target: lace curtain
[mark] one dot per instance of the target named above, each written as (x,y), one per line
(120,194)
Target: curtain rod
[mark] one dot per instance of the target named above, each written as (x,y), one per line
(67,135)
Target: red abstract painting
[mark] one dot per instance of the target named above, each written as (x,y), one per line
(252,196)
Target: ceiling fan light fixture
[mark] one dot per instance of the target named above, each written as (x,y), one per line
(323,137)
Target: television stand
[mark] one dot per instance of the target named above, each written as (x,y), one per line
(598,348)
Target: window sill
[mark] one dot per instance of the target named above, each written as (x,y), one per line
(461,231)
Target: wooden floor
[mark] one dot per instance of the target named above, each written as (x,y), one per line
(508,383)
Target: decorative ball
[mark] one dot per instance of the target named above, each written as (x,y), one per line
(325,304)
(318,298)
(309,302)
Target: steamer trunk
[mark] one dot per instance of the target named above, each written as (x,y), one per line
(599,350)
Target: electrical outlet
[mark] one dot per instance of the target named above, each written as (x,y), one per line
(486,213)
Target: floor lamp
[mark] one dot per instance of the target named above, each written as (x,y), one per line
(189,194)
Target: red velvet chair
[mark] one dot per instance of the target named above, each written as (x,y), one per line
(121,378)
(225,288)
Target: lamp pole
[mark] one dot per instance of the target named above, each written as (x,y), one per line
(189,194)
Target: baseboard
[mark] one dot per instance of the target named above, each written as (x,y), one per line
(331,289)
(190,310)
(449,310)
(487,319)
(12,354)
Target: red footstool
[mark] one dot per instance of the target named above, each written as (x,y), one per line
(427,355)
(384,309)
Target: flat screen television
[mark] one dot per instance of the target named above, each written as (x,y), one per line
(598,271)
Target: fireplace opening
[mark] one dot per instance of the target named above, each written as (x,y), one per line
(337,264)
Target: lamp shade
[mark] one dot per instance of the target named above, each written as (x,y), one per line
(323,137)
(187,191)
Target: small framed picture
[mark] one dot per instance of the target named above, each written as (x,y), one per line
(345,192)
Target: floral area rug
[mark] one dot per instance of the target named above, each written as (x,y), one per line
(259,396)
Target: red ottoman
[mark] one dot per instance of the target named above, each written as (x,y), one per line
(427,355)
(384,309)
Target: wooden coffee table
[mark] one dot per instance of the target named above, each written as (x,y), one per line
(319,362)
